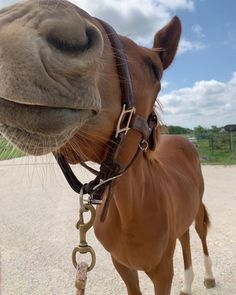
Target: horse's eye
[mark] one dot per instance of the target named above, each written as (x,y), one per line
(156,71)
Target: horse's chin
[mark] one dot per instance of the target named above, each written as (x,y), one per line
(33,143)
(39,130)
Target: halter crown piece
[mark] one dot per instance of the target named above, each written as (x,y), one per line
(110,169)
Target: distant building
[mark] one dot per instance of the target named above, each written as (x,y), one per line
(230,128)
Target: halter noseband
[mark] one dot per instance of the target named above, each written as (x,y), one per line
(110,169)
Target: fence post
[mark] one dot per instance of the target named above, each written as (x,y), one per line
(231,142)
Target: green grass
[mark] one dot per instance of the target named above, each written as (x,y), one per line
(7,151)
(217,156)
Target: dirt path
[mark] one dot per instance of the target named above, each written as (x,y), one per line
(37,234)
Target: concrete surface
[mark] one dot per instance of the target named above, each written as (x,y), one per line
(38,212)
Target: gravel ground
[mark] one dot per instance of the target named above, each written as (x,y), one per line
(37,234)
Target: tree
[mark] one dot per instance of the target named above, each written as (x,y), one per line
(178,130)
(214,129)
(201,132)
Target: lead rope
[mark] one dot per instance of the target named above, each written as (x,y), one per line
(82,268)
(81,278)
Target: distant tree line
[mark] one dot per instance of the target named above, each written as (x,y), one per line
(218,137)
(199,132)
(178,130)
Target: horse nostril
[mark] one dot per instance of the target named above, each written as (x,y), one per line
(74,45)
(93,36)
(69,38)
(65,45)
(80,39)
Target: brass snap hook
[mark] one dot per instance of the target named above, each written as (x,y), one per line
(84,250)
(83,228)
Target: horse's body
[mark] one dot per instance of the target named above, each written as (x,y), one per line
(147,216)
(160,206)
(62,86)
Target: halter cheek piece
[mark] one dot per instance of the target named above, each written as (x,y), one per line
(110,169)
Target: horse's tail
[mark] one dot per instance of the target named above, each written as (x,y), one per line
(202,220)
(206,218)
(202,223)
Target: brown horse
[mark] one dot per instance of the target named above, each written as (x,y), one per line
(60,92)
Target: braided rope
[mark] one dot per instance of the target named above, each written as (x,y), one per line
(81,278)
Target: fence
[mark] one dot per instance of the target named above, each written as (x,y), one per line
(222,141)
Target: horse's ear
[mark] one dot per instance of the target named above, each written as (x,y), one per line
(167,40)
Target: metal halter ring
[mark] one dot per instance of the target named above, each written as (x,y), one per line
(84,250)
(144,145)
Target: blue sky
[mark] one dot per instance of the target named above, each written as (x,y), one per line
(216,24)
(200,87)
(213,24)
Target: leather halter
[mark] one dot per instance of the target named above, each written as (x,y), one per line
(110,169)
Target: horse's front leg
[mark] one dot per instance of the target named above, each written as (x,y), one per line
(130,277)
(162,275)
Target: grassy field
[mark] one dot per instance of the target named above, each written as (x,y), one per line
(208,156)
(7,151)
(216,156)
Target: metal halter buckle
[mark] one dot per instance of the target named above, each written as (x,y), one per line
(125,114)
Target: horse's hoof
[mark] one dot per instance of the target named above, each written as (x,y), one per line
(209,283)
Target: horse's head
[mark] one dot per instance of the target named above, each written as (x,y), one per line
(59,82)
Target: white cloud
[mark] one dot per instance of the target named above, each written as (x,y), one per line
(198,31)
(206,103)
(193,45)
(178,4)
(164,84)
(138,19)
(187,45)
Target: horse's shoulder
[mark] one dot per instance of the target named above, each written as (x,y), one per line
(176,142)
(177,148)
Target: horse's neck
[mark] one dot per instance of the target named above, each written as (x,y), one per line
(137,188)
(138,198)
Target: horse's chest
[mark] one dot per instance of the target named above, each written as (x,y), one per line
(142,250)
(136,245)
